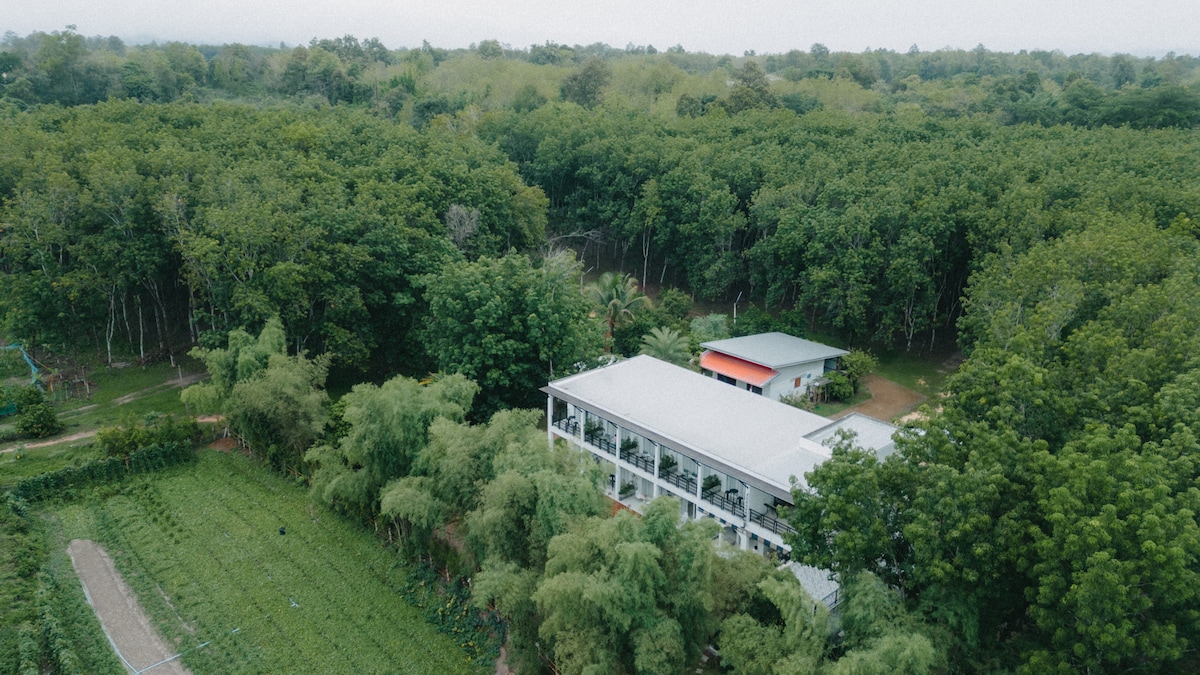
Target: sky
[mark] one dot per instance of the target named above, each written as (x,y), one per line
(1140,27)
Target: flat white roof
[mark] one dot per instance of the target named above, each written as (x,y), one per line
(869,433)
(774,350)
(761,441)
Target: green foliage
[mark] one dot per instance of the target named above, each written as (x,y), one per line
(388,430)
(333,593)
(279,412)
(154,429)
(709,328)
(1030,519)
(857,365)
(839,387)
(798,644)
(275,403)
(585,87)
(69,482)
(508,325)
(618,299)
(38,420)
(627,593)
(667,345)
(675,303)
(241,360)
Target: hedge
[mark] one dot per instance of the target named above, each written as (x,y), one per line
(66,482)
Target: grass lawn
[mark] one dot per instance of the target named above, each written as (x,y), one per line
(15,466)
(200,545)
(121,392)
(924,372)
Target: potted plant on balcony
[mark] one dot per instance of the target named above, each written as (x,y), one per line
(711,482)
(591,429)
(629,444)
(666,464)
(626,490)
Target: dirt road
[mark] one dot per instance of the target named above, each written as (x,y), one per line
(127,626)
(888,400)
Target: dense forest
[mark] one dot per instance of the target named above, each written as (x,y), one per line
(345,208)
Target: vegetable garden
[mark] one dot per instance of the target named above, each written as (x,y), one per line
(202,548)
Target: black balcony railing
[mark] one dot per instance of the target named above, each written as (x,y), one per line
(603,442)
(685,483)
(771,523)
(569,425)
(730,504)
(640,461)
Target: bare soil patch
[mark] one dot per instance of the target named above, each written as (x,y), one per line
(127,626)
(888,400)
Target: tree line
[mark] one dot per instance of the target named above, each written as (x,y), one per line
(415,84)
(1043,519)
(131,227)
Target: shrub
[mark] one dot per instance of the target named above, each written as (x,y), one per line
(38,421)
(857,365)
(155,428)
(28,396)
(797,400)
(839,386)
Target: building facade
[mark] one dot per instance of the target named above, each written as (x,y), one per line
(772,364)
(725,453)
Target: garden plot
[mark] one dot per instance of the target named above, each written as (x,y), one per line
(201,547)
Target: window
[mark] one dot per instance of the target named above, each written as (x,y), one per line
(756,390)
(726,379)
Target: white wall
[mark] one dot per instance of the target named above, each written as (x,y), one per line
(784,383)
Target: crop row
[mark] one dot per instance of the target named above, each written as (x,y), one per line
(202,550)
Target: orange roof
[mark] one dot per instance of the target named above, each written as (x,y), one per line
(736,368)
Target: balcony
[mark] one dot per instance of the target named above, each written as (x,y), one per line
(567,425)
(685,483)
(640,461)
(731,504)
(770,523)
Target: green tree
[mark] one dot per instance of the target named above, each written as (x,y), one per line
(389,429)
(243,358)
(279,412)
(618,297)
(507,324)
(857,365)
(751,89)
(667,345)
(585,87)
(628,594)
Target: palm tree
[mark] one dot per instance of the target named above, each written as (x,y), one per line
(618,296)
(666,344)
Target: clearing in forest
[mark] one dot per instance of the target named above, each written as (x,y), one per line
(202,550)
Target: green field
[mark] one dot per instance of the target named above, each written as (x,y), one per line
(24,463)
(200,545)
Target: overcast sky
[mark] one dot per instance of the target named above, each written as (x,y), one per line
(1143,27)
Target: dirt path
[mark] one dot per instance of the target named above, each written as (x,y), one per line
(127,626)
(173,382)
(128,398)
(888,400)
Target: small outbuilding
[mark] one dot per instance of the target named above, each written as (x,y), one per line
(771,364)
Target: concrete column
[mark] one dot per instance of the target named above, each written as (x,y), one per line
(550,421)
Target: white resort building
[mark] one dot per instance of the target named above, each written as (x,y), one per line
(725,453)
